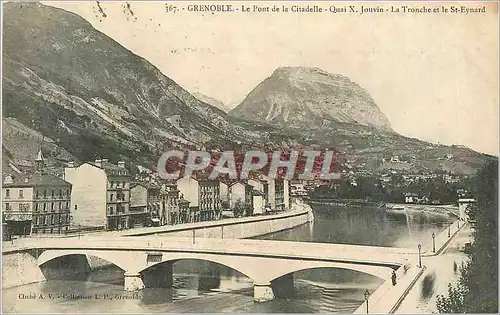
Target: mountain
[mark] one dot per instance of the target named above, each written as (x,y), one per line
(211,101)
(93,97)
(78,95)
(310,97)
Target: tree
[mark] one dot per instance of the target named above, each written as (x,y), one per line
(239,208)
(477,289)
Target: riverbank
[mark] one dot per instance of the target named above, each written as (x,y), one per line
(390,207)
(299,214)
(344,202)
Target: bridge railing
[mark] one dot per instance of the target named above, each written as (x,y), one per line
(442,238)
(386,296)
(333,252)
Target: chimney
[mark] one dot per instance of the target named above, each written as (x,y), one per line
(104,160)
(121,164)
(98,163)
(71,164)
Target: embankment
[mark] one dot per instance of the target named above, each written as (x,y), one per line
(300,213)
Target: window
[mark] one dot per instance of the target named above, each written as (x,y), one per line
(36,207)
(44,206)
(52,193)
(67,192)
(7,193)
(52,206)
(67,205)
(52,219)
(21,194)
(111,197)
(112,184)
(45,193)
(7,206)
(76,207)
(60,205)
(60,193)
(36,193)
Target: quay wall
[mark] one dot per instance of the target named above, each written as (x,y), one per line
(20,268)
(299,214)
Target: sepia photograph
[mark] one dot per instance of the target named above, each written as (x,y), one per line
(249,157)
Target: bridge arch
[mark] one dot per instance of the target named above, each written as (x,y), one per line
(216,259)
(266,269)
(121,261)
(376,271)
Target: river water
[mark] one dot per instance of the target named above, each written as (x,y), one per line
(206,287)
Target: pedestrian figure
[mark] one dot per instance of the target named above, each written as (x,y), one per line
(393,277)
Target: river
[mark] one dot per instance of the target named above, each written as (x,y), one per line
(206,287)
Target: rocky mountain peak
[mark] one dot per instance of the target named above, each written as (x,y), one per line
(310,96)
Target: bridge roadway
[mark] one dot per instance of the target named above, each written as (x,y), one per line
(147,260)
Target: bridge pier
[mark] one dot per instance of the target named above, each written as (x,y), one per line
(133,282)
(262,292)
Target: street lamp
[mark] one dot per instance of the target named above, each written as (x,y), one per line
(419,256)
(449,226)
(433,242)
(367,296)
(458,223)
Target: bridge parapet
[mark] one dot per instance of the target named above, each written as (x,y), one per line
(262,261)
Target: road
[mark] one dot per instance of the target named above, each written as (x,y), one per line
(439,272)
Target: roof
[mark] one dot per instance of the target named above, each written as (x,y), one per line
(146,185)
(256,192)
(466,200)
(35,179)
(239,182)
(111,168)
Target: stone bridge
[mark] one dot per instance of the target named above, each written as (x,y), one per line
(147,261)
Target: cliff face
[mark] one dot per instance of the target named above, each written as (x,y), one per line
(92,96)
(299,96)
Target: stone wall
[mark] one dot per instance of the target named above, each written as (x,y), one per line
(20,269)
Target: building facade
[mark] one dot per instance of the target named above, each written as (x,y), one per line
(210,203)
(101,194)
(276,192)
(170,204)
(203,196)
(139,212)
(258,202)
(36,203)
(241,192)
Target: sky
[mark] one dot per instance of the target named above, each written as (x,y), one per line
(435,76)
